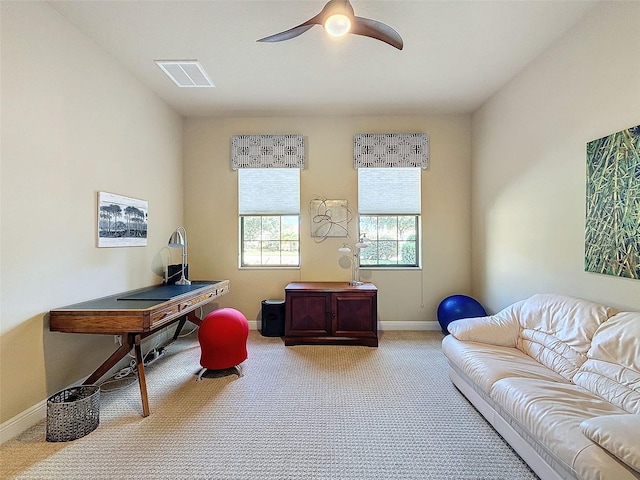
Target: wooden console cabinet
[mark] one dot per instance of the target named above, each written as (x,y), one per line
(332,313)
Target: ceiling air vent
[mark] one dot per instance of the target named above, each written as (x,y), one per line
(185,73)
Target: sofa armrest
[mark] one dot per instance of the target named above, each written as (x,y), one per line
(496,329)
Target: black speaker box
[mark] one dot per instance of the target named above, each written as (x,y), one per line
(272,318)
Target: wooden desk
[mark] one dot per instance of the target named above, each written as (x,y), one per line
(135,315)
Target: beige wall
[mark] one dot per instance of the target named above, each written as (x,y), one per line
(211,209)
(73,123)
(529,154)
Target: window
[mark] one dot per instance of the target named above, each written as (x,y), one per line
(393,240)
(269,210)
(269,240)
(389,206)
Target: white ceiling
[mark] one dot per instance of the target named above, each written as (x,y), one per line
(456,53)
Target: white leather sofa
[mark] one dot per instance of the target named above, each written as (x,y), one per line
(559,378)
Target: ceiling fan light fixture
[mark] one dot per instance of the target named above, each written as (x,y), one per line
(337,25)
(337,18)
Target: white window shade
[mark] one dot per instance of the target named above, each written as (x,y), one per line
(392,191)
(268,191)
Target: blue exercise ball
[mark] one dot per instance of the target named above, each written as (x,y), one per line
(456,307)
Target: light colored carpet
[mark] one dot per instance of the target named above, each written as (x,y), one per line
(304,412)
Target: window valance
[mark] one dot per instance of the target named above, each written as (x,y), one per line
(394,150)
(267,151)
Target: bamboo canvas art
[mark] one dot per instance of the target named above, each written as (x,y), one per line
(612,231)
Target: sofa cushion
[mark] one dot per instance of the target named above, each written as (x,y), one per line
(500,329)
(618,434)
(552,413)
(556,330)
(486,364)
(612,369)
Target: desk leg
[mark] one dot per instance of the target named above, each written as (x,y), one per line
(110,362)
(130,341)
(192,317)
(141,377)
(181,323)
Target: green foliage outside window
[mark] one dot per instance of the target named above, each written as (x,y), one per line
(270,240)
(393,240)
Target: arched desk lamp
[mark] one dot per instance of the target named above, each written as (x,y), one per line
(178,239)
(354,258)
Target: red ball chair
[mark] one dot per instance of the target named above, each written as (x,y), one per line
(223,340)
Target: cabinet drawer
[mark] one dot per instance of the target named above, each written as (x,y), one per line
(195,301)
(164,315)
(187,304)
(205,298)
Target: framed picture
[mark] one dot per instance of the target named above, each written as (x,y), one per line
(122,221)
(612,233)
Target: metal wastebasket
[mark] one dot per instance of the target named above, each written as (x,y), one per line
(73,413)
(272,318)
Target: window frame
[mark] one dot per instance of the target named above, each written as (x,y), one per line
(373,239)
(242,253)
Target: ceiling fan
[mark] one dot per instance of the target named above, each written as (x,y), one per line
(338,19)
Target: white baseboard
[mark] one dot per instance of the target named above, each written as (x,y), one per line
(23,421)
(408,325)
(387,325)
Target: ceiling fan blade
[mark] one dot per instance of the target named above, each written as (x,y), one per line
(292,32)
(377,30)
(287,34)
